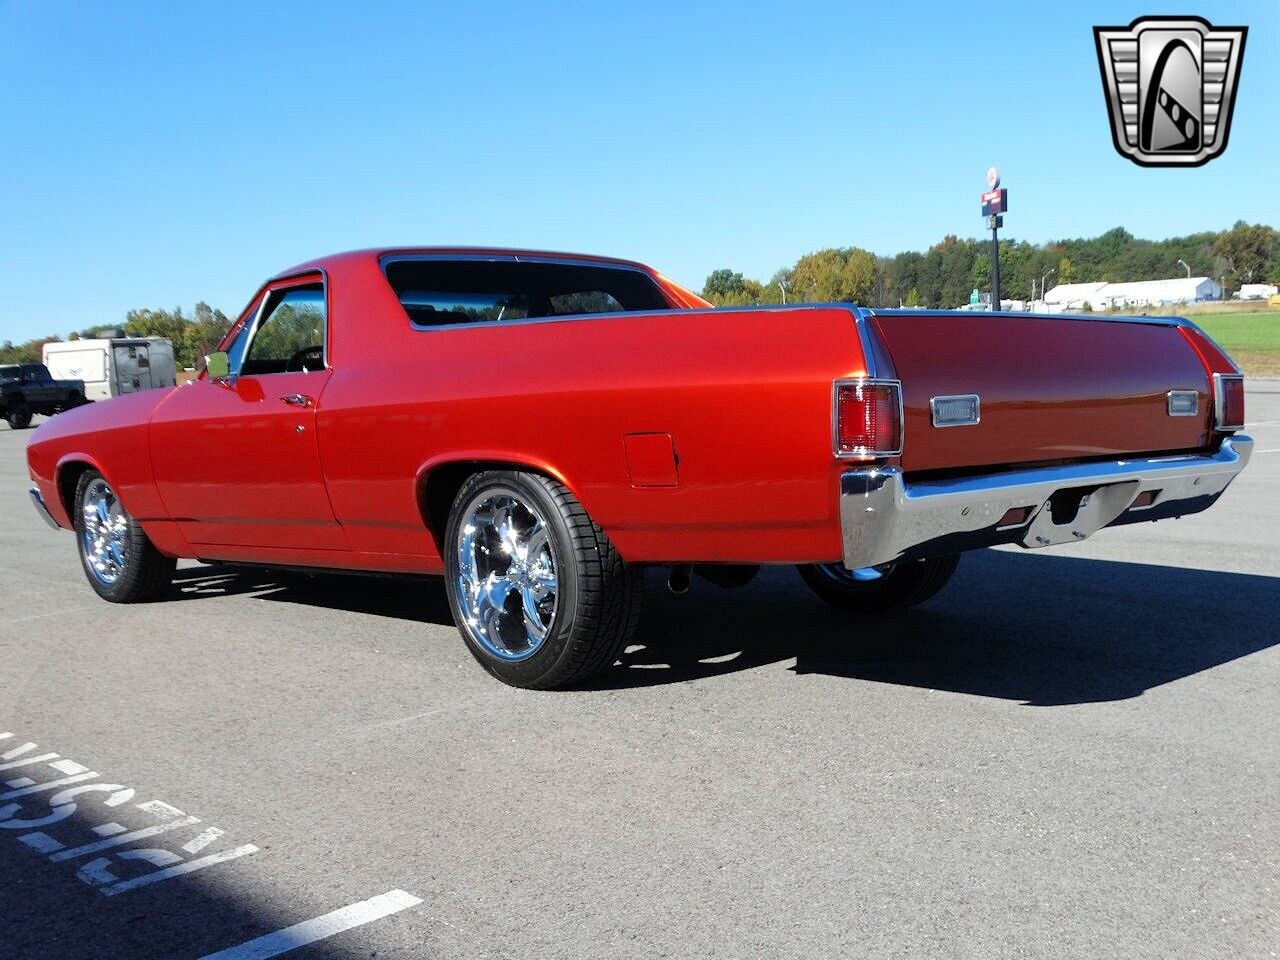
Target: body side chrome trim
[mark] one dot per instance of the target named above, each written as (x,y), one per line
(1023,314)
(861,317)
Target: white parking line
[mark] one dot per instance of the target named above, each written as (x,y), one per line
(319,928)
(111,838)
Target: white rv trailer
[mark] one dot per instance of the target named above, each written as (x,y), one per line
(113,367)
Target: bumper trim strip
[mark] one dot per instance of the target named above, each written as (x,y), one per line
(885,518)
(38,502)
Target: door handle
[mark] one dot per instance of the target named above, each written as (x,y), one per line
(297,399)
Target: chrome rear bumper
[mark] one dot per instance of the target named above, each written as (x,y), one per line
(883,517)
(38,502)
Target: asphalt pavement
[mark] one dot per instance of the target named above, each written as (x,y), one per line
(1072,752)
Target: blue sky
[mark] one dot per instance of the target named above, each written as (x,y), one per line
(156,154)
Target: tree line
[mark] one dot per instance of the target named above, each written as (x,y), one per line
(944,275)
(193,335)
(941,276)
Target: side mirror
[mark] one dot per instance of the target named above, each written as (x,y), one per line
(218,364)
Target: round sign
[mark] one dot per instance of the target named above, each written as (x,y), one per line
(993,177)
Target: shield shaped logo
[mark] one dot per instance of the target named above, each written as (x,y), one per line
(1170,84)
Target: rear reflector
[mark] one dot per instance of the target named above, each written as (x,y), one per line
(868,418)
(1228,401)
(1144,499)
(1014,517)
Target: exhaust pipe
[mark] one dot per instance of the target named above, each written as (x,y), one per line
(678,580)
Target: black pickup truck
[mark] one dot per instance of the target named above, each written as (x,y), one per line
(27,389)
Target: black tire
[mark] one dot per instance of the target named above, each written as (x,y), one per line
(597,595)
(901,584)
(18,415)
(147,574)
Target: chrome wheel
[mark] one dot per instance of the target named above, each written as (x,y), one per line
(842,574)
(507,575)
(105,531)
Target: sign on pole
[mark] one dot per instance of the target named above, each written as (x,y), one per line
(994,203)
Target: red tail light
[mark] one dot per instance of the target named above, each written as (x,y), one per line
(868,418)
(1228,401)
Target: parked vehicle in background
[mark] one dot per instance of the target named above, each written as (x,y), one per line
(539,427)
(114,367)
(27,389)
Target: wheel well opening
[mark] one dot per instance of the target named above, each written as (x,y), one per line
(68,477)
(442,484)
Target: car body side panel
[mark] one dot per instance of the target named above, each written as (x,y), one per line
(111,435)
(745,395)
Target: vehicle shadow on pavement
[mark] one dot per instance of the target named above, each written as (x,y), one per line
(401,598)
(51,914)
(1041,629)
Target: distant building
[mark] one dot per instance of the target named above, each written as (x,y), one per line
(1257,291)
(1073,296)
(1100,295)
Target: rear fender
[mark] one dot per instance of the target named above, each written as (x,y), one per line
(451,470)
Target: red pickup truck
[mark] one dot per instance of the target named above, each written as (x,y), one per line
(537,427)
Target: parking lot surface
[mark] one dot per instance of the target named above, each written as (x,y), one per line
(1069,752)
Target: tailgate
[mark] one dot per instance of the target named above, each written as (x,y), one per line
(1051,388)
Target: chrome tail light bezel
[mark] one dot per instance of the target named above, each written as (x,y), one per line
(1219,401)
(865,453)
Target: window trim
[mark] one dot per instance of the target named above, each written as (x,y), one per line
(253,317)
(387,259)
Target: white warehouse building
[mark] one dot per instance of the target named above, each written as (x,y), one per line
(1139,293)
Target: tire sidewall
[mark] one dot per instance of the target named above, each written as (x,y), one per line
(547,659)
(18,416)
(906,583)
(107,591)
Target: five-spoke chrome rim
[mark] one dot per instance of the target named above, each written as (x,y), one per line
(842,574)
(507,575)
(105,533)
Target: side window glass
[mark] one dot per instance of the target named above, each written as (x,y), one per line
(290,335)
(235,349)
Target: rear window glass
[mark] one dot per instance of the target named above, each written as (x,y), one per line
(428,308)
(442,292)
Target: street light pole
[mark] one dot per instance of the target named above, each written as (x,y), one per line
(1045,279)
(1186,265)
(782,285)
